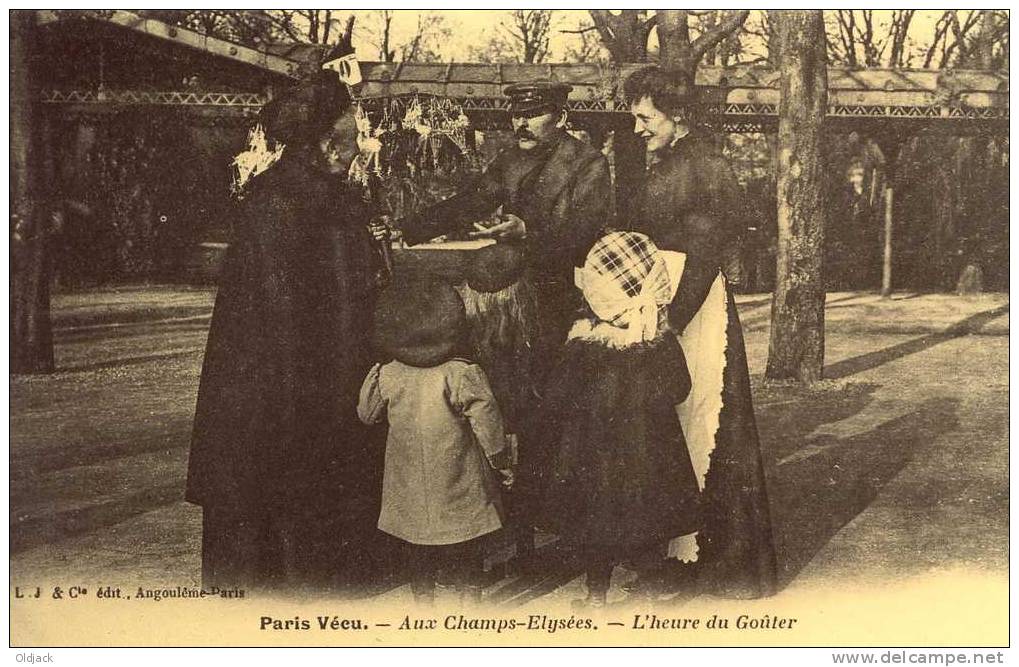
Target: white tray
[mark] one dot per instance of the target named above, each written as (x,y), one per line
(473,244)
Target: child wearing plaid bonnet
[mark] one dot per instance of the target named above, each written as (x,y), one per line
(622,481)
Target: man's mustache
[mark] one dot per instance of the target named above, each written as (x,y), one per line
(525,134)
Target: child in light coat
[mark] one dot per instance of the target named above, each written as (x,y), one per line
(446,446)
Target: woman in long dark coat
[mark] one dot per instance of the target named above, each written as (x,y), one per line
(690,203)
(277,456)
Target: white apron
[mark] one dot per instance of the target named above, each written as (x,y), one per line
(704,342)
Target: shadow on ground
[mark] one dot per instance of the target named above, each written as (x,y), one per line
(866,362)
(815,495)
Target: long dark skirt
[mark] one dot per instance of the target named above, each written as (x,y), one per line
(736,546)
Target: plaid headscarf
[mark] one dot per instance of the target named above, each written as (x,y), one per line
(626,281)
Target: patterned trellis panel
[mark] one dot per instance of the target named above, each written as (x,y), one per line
(488,112)
(158,98)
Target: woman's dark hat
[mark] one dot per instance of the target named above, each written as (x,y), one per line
(495,267)
(421,324)
(306,111)
(538,96)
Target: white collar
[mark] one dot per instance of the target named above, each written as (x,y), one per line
(679,137)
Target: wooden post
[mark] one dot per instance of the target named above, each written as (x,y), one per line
(886,267)
(890,145)
(31,341)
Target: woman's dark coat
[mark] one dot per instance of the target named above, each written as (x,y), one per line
(277,450)
(692,203)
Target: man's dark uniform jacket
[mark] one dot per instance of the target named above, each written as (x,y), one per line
(561,190)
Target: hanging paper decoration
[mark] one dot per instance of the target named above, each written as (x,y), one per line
(413,152)
(438,123)
(256,159)
(368,163)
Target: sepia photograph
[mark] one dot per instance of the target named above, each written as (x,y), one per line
(510,328)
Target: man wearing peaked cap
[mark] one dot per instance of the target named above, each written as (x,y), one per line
(534,98)
(554,196)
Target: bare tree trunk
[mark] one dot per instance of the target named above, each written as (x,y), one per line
(624,34)
(21,116)
(708,21)
(985,40)
(675,53)
(681,56)
(386,54)
(899,34)
(31,339)
(327,25)
(796,349)
(531,29)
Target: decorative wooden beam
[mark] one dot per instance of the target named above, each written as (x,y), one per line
(737,97)
(191,39)
(589,81)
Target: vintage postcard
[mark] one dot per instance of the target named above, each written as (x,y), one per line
(506,328)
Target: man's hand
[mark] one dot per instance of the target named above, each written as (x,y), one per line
(380,227)
(510,227)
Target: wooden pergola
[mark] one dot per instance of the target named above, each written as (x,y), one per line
(889,106)
(740,99)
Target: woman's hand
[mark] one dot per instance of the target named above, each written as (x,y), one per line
(380,227)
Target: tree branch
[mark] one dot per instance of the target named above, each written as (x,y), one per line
(624,35)
(327,25)
(960,33)
(964,50)
(648,24)
(710,38)
(348,30)
(940,33)
(847,33)
(901,23)
(752,61)
(601,18)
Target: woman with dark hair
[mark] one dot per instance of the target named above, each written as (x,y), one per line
(277,455)
(690,202)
